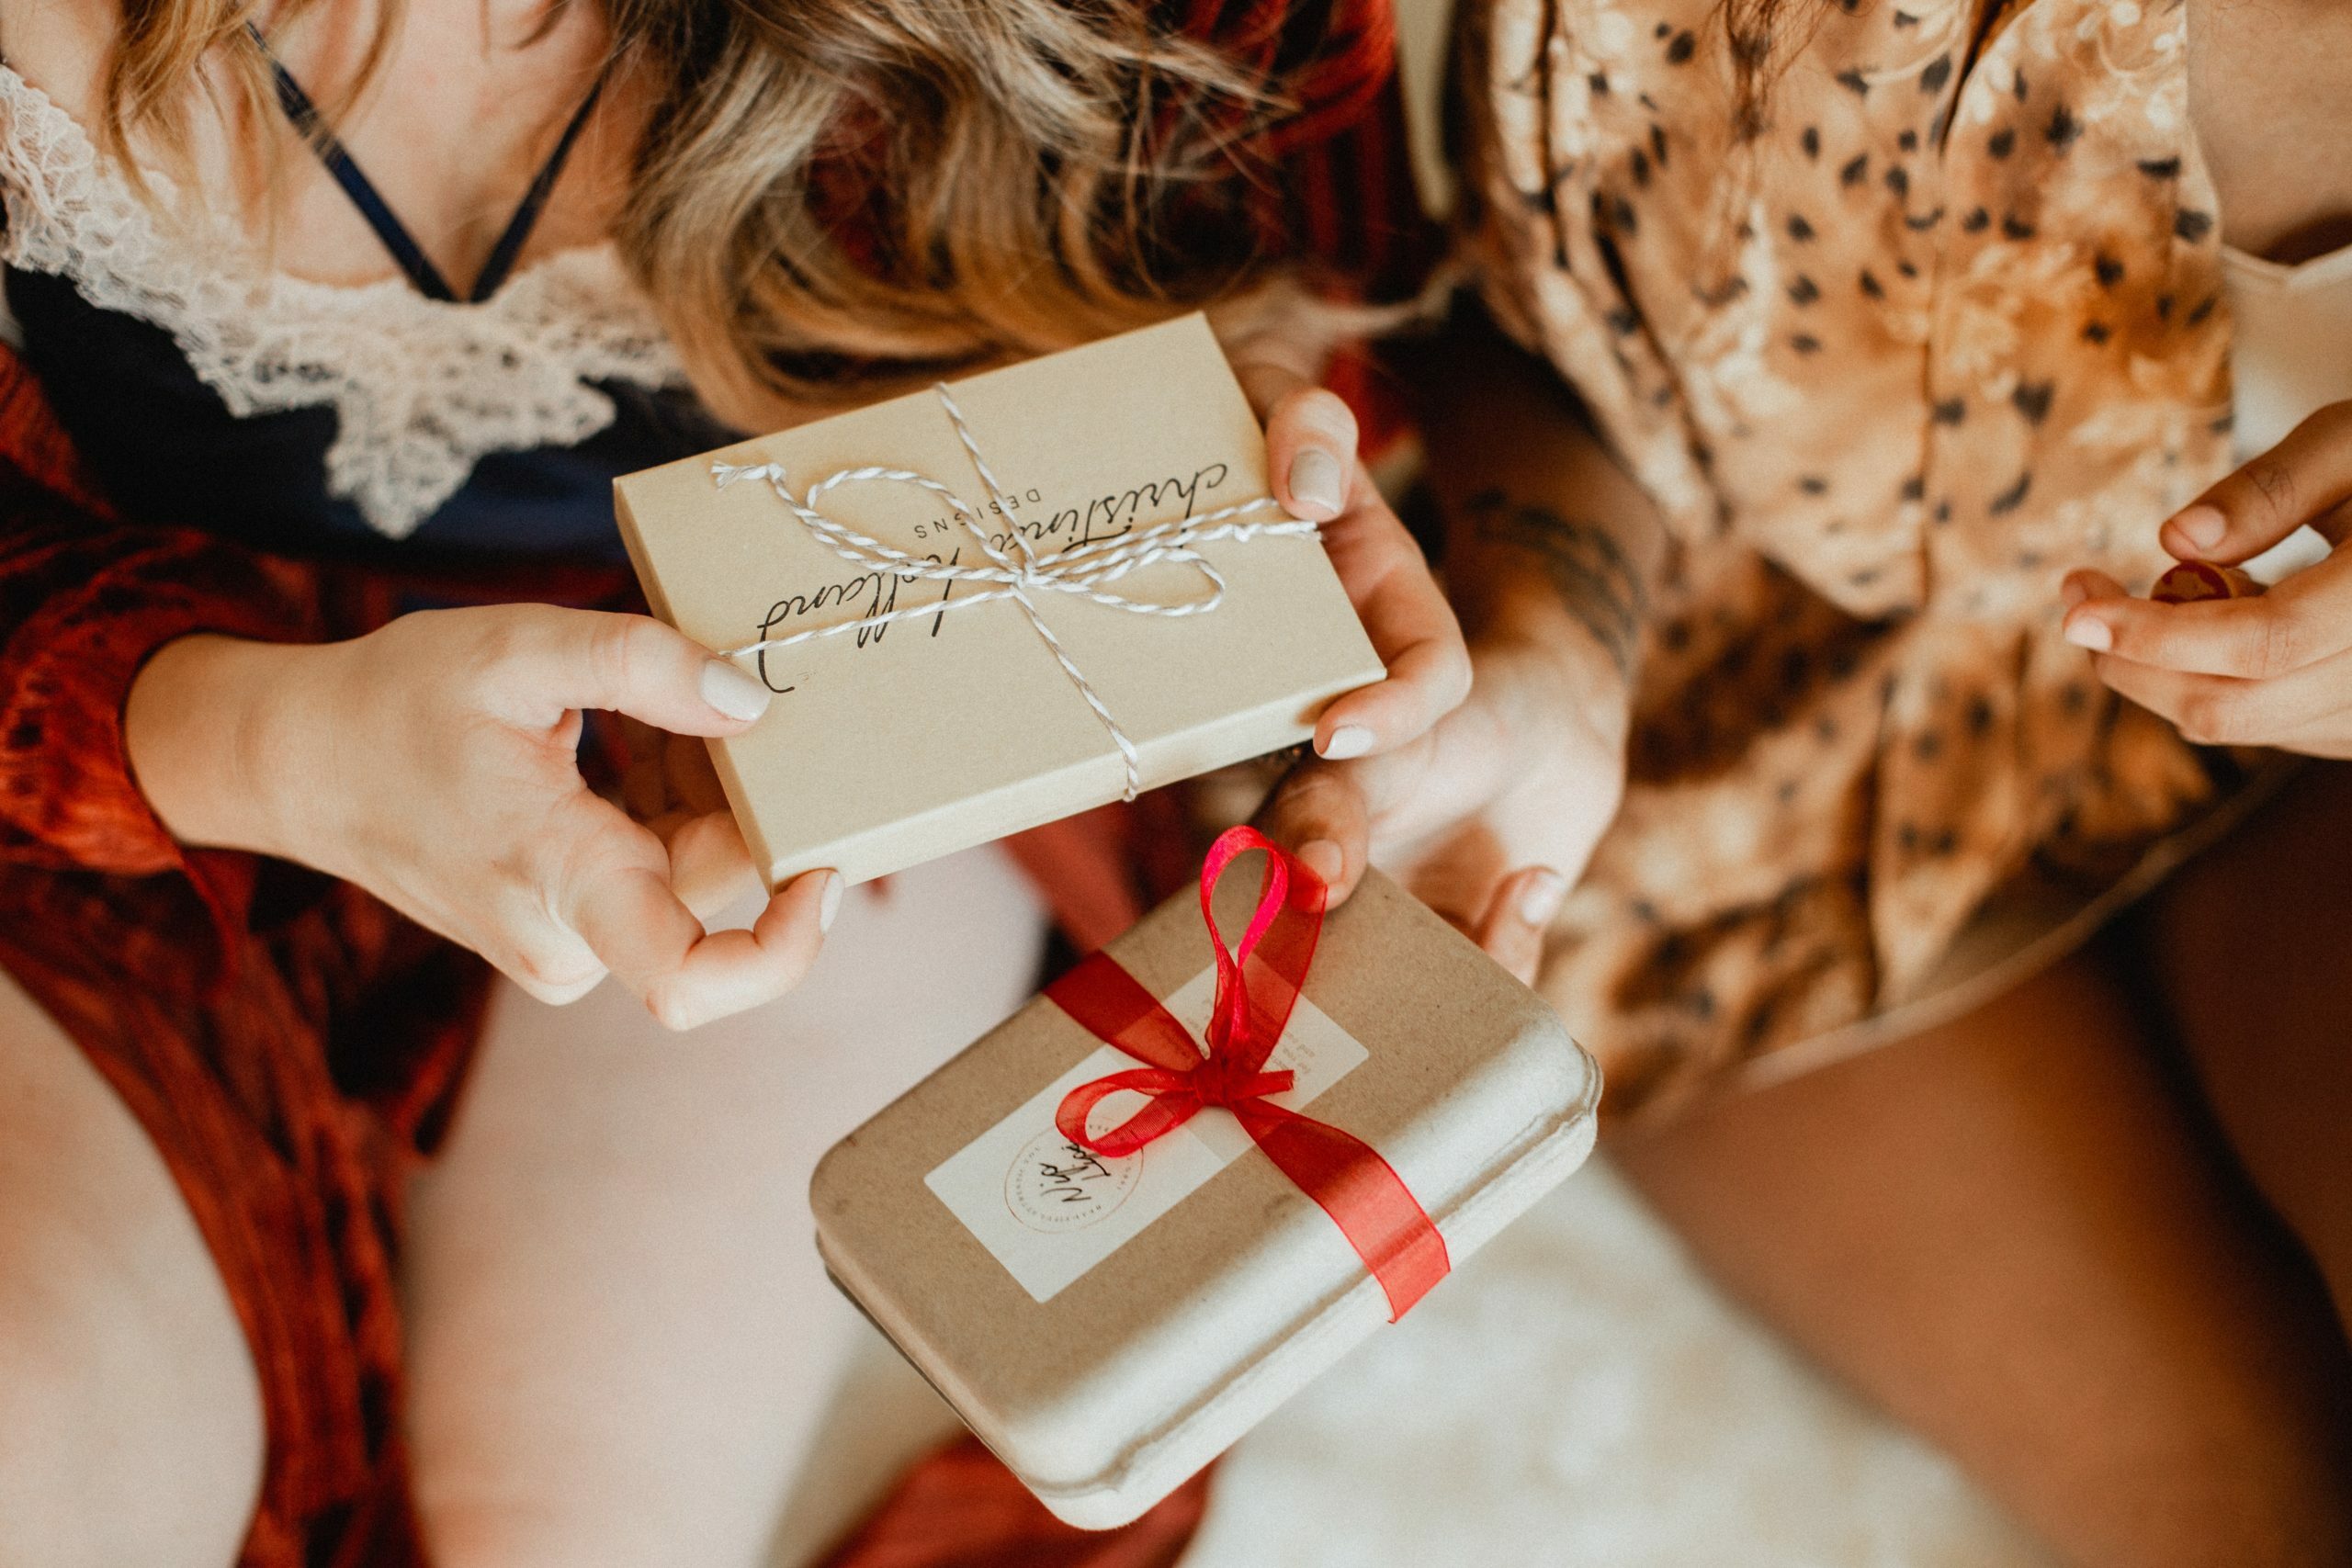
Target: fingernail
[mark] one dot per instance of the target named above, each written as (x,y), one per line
(1347,740)
(2202,525)
(731,691)
(1316,482)
(2071,593)
(1323,858)
(828,903)
(2090,631)
(1542,901)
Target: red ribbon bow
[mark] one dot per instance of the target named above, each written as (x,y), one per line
(1360,1191)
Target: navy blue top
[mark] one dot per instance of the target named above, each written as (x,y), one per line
(164,446)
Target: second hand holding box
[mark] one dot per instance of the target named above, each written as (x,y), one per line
(989,606)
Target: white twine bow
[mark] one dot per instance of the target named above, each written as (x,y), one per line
(1085,570)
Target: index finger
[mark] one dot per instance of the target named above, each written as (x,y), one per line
(618,898)
(1412,629)
(2304,480)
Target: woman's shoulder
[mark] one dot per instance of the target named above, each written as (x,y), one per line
(62,47)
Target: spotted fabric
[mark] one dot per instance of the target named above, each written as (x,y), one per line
(1932,320)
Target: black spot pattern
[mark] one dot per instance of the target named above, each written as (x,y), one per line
(2057,165)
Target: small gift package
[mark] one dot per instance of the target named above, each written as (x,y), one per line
(1122,1227)
(997,602)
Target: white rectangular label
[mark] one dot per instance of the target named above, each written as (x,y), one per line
(1050,1210)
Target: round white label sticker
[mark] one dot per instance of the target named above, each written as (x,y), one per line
(1055,1185)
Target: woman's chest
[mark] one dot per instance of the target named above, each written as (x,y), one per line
(1936,302)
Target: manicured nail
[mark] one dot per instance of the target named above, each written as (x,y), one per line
(1316,481)
(731,691)
(2072,592)
(2090,631)
(2202,525)
(1347,740)
(1323,858)
(1542,901)
(828,903)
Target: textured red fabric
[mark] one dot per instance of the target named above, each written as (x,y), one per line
(291,1046)
(960,1508)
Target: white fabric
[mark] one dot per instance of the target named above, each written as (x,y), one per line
(1577,1397)
(422,389)
(2290,354)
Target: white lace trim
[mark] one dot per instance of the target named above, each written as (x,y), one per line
(422,389)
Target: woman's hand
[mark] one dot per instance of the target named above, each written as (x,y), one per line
(434,762)
(1311,451)
(2270,670)
(1490,816)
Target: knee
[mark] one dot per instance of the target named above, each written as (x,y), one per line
(131,1427)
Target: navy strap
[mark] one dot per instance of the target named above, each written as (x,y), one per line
(429,282)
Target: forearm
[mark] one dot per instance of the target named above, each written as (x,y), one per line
(197,727)
(1548,540)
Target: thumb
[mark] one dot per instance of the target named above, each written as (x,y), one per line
(1518,916)
(1310,441)
(555,659)
(2305,478)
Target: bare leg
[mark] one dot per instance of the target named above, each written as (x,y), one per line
(2252,947)
(620,1334)
(130,1423)
(2005,1232)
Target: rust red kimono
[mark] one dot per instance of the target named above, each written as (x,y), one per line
(291,1046)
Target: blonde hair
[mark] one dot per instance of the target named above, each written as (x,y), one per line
(834,197)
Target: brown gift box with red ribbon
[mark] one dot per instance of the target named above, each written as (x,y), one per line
(1122,1227)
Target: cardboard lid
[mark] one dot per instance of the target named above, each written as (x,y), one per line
(1467,1072)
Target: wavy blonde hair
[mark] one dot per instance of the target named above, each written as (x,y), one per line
(835,197)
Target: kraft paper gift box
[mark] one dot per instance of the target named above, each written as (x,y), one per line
(922,712)
(1109,1323)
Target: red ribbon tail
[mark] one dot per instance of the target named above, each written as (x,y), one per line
(1362,1193)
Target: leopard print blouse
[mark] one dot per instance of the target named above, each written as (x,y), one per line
(1935,319)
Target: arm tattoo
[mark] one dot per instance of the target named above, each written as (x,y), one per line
(1596,581)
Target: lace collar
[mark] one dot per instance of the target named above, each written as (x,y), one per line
(422,389)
